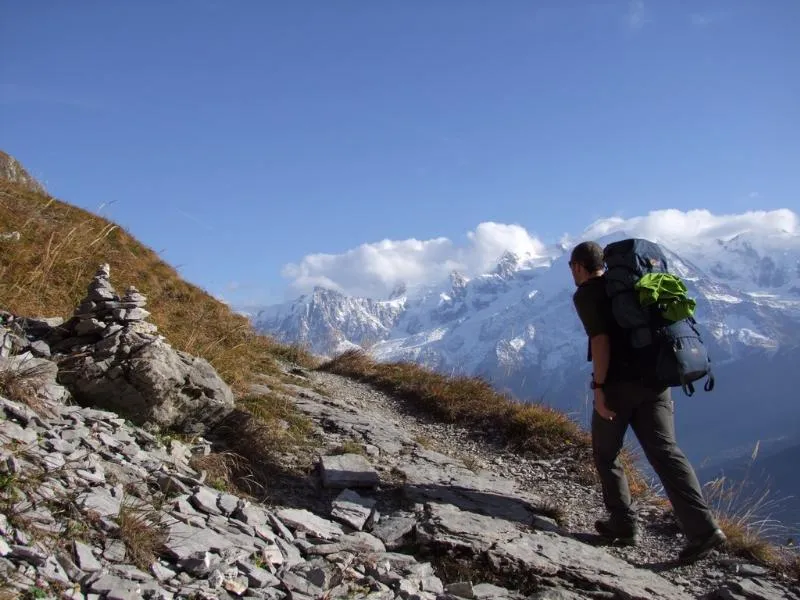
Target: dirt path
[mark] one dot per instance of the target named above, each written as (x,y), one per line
(554,483)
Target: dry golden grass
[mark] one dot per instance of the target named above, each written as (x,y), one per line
(532,428)
(743,515)
(744,540)
(220,468)
(552,509)
(255,435)
(21,384)
(46,273)
(349,447)
(142,532)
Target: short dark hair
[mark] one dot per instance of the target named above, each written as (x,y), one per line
(589,255)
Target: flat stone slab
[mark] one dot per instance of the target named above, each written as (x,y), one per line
(184,540)
(85,559)
(352,509)
(359,542)
(394,531)
(565,560)
(348,470)
(101,502)
(308,522)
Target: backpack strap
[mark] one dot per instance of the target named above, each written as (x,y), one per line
(709,385)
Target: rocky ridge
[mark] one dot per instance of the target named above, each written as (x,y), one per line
(12,170)
(394,506)
(86,494)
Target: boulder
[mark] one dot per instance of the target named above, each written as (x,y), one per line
(561,560)
(150,383)
(115,360)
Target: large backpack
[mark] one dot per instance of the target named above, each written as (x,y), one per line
(650,305)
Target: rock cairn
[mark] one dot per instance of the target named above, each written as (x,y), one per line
(102,311)
(110,356)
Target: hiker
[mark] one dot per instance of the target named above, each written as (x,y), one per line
(622,397)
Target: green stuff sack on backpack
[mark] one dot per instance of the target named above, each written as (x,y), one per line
(668,292)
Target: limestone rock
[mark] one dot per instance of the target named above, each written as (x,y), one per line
(151,383)
(352,509)
(308,522)
(545,554)
(348,470)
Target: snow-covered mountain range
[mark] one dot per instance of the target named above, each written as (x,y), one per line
(516,326)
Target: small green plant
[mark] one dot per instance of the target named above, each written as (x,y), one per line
(34,592)
(349,447)
(7,483)
(424,441)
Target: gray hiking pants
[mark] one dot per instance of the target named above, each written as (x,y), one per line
(651,416)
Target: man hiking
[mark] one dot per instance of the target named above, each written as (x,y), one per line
(623,397)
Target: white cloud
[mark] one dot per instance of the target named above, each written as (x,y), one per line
(673,226)
(374,269)
(635,17)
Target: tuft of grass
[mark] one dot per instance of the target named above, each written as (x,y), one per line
(255,435)
(470,462)
(46,273)
(220,469)
(283,426)
(21,384)
(744,517)
(424,441)
(349,447)
(536,429)
(550,508)
(142,532)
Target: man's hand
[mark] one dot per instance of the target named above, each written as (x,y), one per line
(600,405)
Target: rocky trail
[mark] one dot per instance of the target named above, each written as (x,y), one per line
(385,504)
(389,515)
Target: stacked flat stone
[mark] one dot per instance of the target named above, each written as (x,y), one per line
(103,311)
(132,306)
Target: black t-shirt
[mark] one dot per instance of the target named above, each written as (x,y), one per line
(594,310)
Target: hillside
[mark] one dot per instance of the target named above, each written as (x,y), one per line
(45,271)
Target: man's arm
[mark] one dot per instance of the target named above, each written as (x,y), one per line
(601,353)
(597,329)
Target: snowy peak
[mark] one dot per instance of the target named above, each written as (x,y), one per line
(458,284)
(400,290)
(509,263)
(518,316)
(330,322)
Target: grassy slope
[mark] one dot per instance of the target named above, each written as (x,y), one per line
(47,271)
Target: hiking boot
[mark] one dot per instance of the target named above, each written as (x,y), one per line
(624,536)
(702,547)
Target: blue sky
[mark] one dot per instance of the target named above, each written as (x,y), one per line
(238,138)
